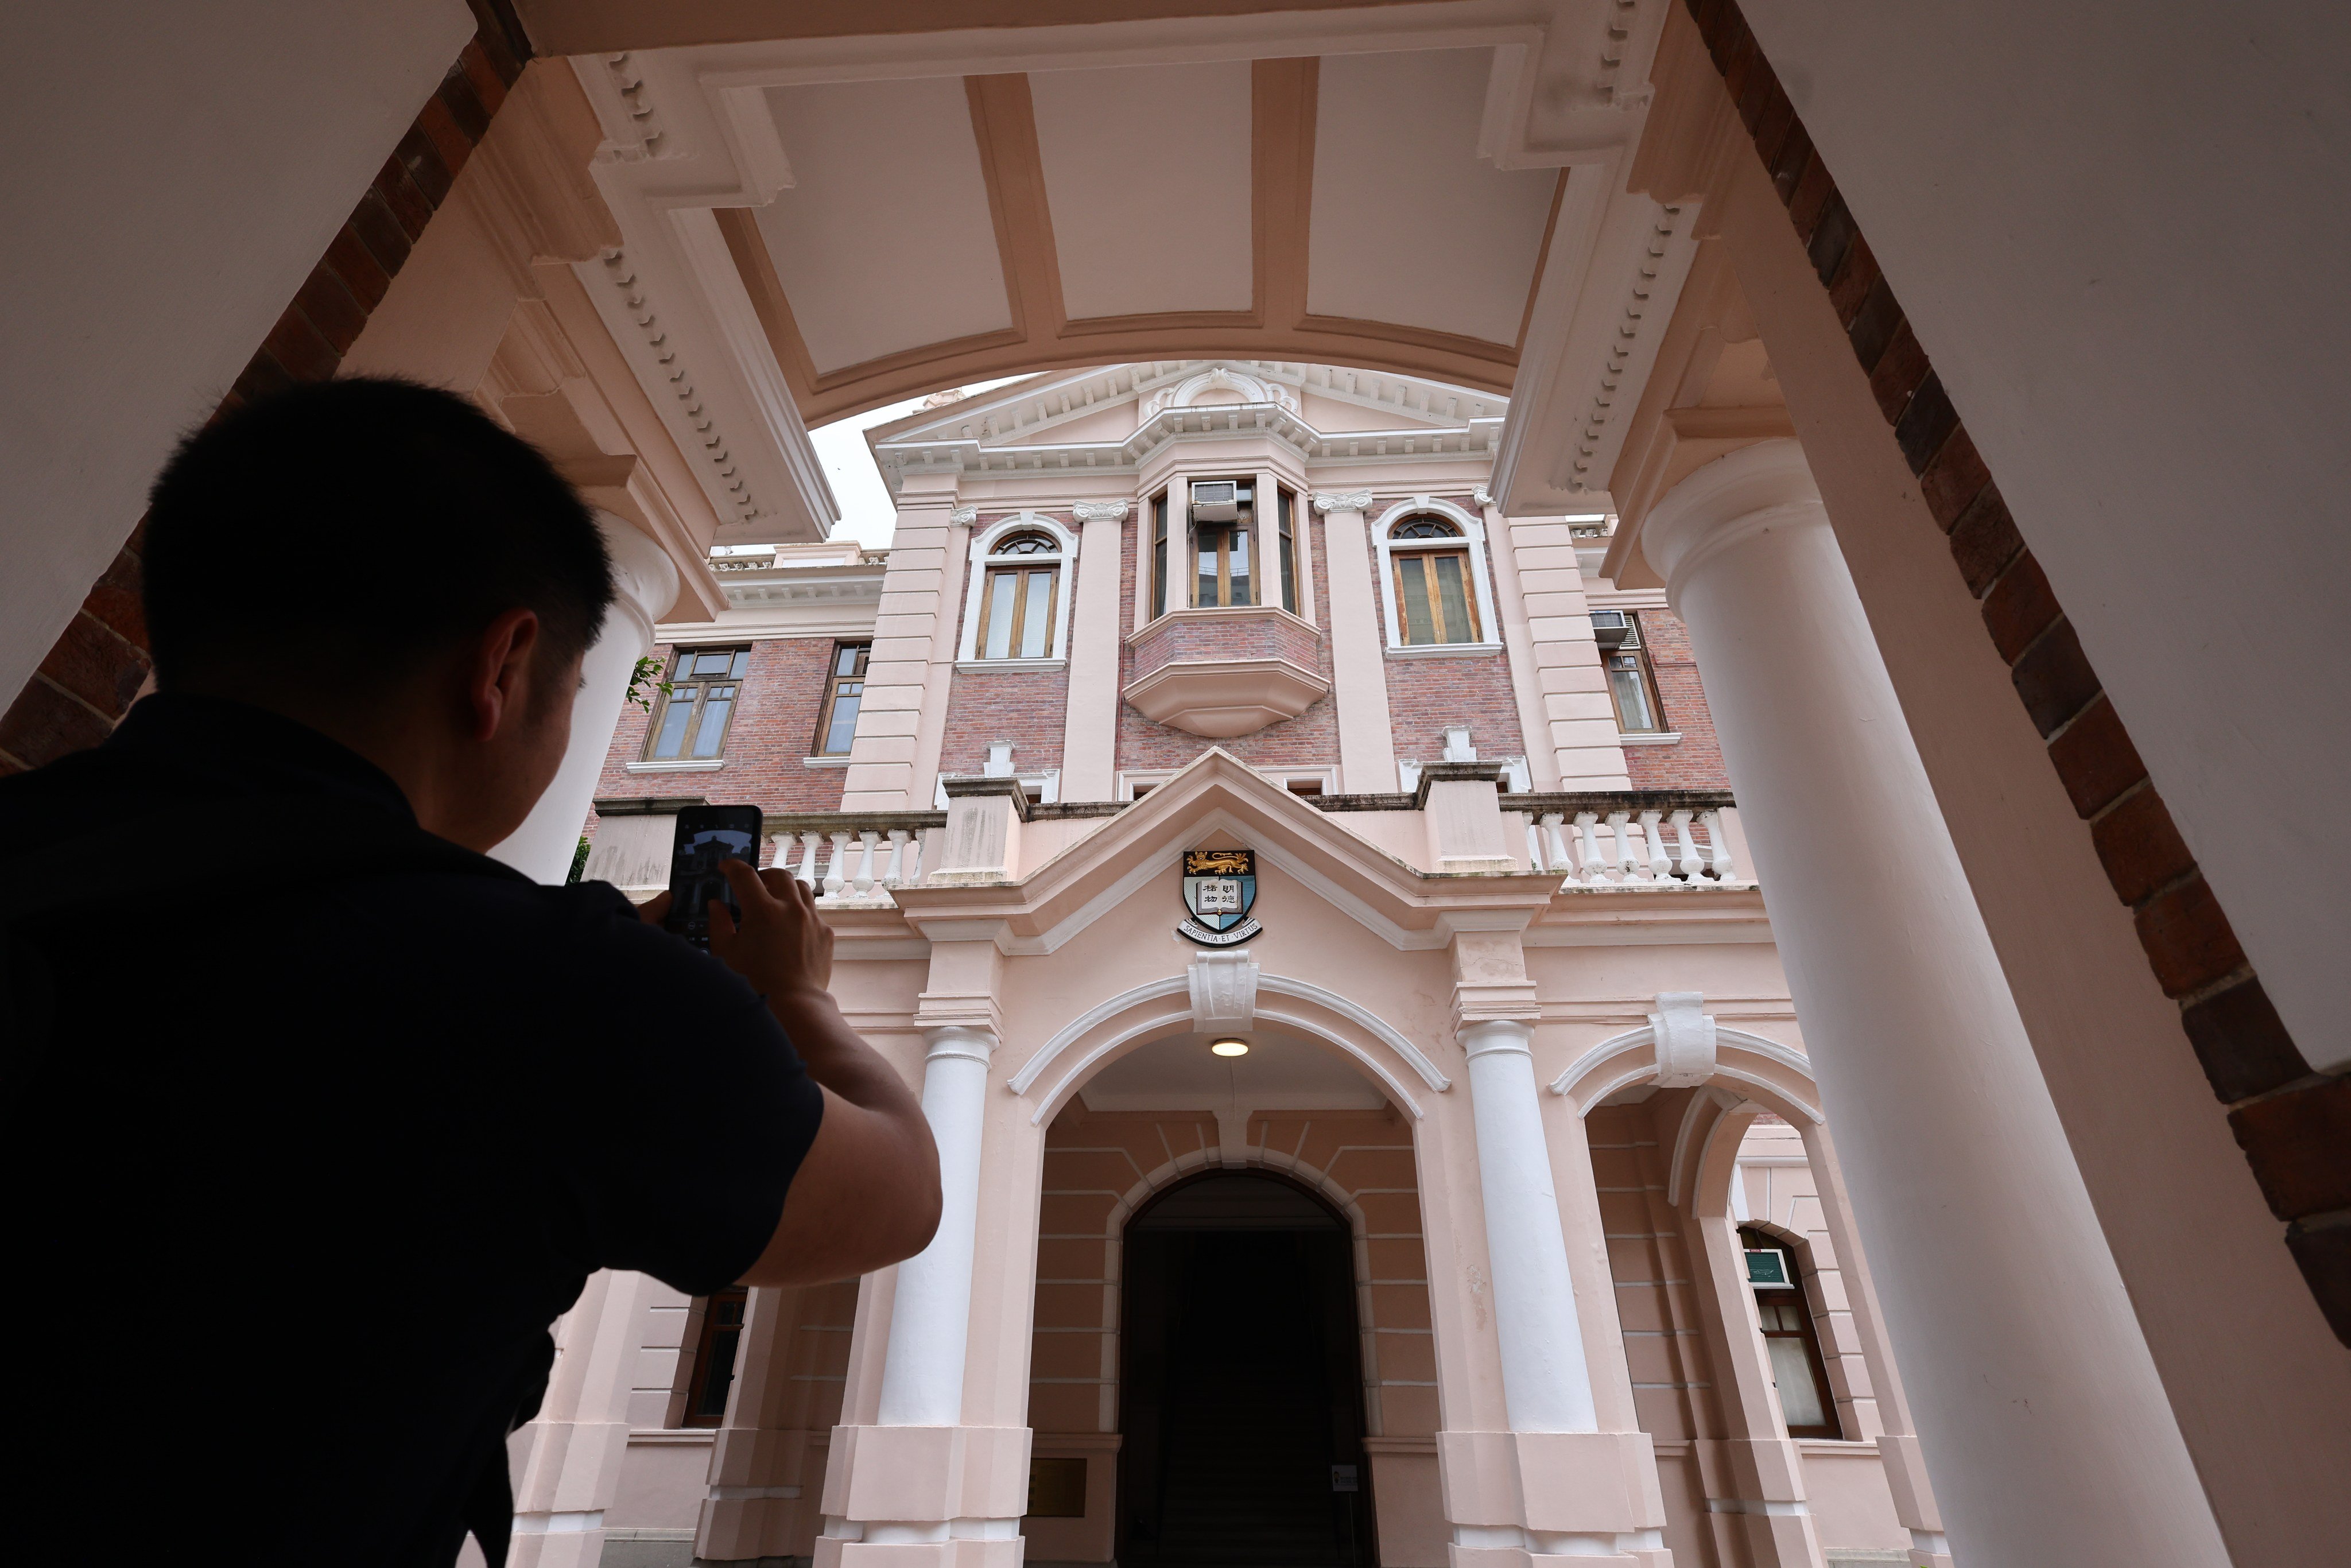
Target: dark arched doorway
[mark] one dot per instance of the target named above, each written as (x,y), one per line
(1241,1382)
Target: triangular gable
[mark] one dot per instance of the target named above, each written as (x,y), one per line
(1216,800)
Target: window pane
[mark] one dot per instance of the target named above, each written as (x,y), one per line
(742,665)
(1159,556)
(1037,619)
(1631,695)
(1241,569)
(1205,591)
(1451,590)
(1000,588)
(720,1376)
(680,708)
(712,732)
(713,663)
(1288,553)
(845,661)
(841,727)
(1791,1369)
(1412,572)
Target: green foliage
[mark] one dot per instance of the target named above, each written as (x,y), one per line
(644,683)
(579,862)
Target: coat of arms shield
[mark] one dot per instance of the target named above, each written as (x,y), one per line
(1219,886)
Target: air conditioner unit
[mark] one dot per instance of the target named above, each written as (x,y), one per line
(1216,501)
(1767,1270)
(1610,628)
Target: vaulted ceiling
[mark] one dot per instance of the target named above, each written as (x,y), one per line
(1326,209)
(820,221)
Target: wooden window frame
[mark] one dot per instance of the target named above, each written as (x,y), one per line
(1286,547)
(1635,647)
(1159,555)
(715,1322)
(1423,558)
(1021,573)
(1809,1332)
(834,677)
(1245,524)
(697,690)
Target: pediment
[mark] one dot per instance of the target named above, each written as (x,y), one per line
(1220,800)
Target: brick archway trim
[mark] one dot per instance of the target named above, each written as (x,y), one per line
(2293,1125)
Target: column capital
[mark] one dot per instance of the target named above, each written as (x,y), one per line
(972,1042)
(1105,511)
(963,516)
(1329,501)
(1764,485)
(1485,1037)
(644,577)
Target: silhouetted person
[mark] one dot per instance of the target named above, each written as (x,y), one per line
(318,1117)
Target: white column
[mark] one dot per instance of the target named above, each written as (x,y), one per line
(1546,1385)
(1089,728)
(567,1461)
(1358,648)
(2044,1427)
(645,582)
(930,1321)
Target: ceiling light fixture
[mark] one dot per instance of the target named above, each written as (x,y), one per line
(1229,1047)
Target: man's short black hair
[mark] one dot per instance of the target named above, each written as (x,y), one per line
(340,534)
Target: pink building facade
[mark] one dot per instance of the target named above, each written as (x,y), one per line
(1452,1262)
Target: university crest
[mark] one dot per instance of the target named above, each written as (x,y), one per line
(1219,885)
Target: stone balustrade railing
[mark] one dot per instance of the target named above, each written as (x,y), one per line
(1620,839)
(852,857)
(1631,839)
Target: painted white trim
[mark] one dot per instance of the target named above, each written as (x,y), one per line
(1645,1039)
(1648,737)
(1011,666)
(1443,649)
(839,761)
(1473,533)
(975,564)
(1067,1081)
(687,766)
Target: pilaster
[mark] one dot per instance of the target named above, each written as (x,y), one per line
(1090,732)
(1358,647)
(894,756)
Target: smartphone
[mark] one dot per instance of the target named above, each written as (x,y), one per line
(705,836)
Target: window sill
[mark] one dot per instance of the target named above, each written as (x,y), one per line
(699,765)
(1648,737)
(1443,649)
(842,761)
(1008,666)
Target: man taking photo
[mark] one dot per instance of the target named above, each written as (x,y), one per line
(318,1116)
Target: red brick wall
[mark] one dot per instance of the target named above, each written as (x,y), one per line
(1426,694)
(1309,740)
(774,731)
(1695,761)
(1232,635)
(1030,708)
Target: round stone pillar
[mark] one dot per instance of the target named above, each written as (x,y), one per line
(1546,1385)
(2045,1427)
(644,583)
(930,1318)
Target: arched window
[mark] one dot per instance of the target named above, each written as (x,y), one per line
(1015,607)
(1434,583)
(1792,1345)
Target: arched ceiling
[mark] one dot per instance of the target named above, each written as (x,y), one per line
(824,221)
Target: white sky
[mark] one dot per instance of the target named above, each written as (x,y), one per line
(868,514)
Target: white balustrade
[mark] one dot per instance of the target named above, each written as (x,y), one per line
(1661,864)
(834,881)
(890,872)
(863,882)
(808,861)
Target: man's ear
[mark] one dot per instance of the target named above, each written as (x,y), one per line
(499,676)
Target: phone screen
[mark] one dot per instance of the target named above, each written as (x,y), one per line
(705,836)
